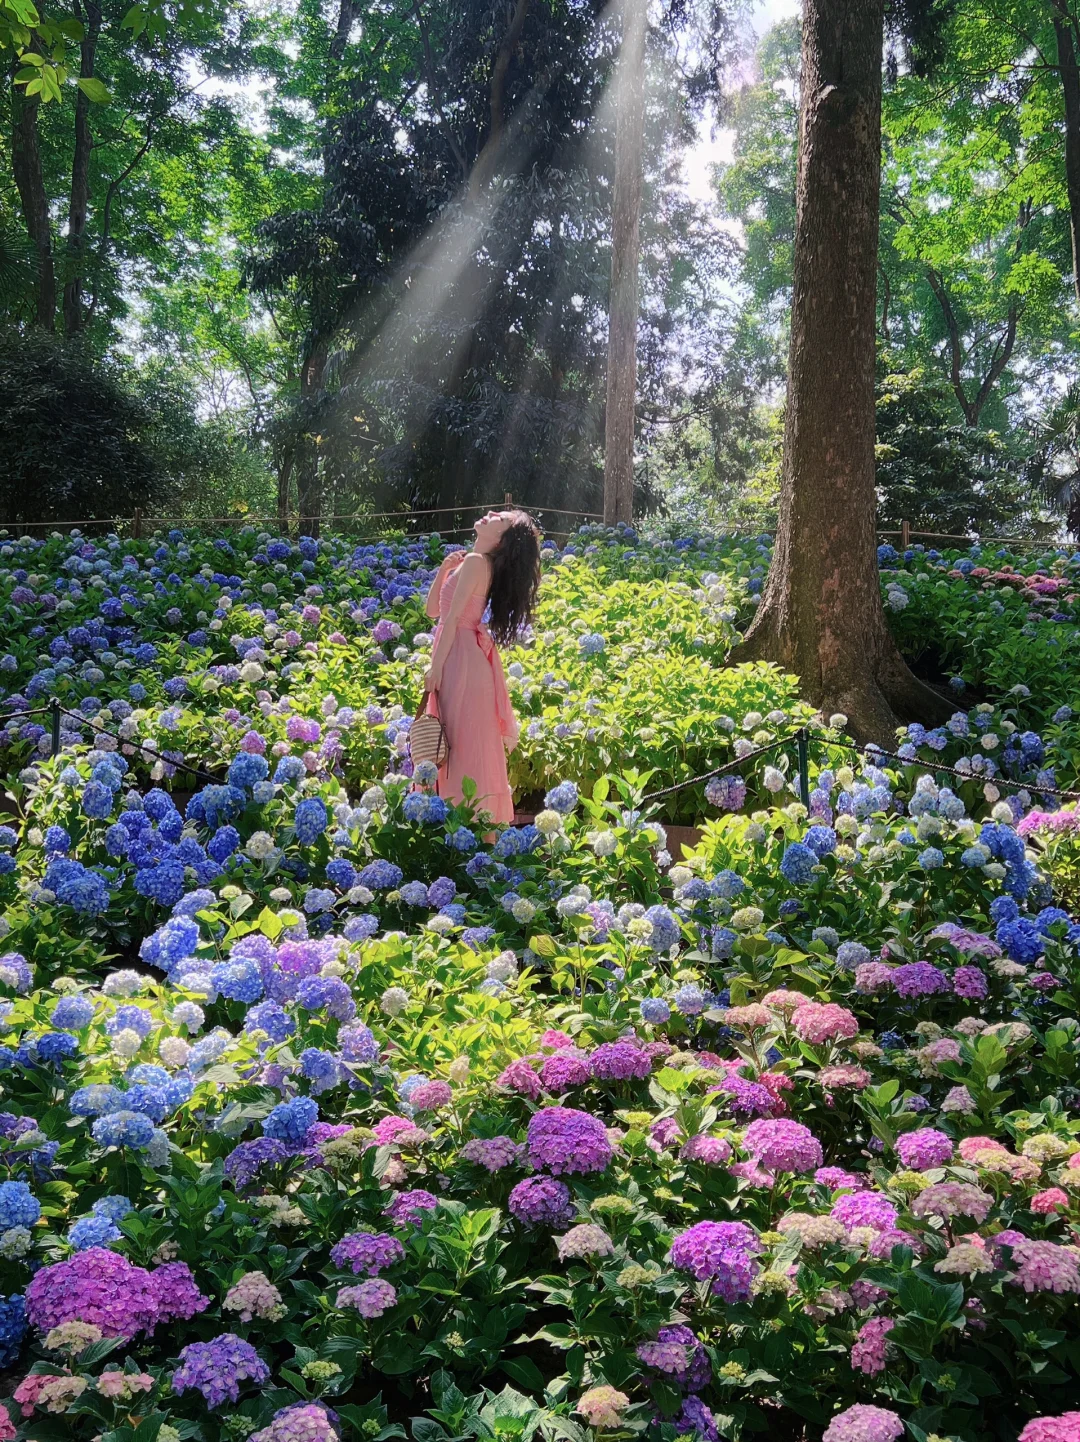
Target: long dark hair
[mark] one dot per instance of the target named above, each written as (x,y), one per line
(515,579)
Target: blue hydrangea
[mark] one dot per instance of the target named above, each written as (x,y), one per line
(171,943)
(462,840)
(163,883)
(360,928)
(57,839)
(341,873)
(95,1100)
(291,1121)
(54,1047)
(238,979)
(321,1068)
(726,886)
(18,1206)
(722,942)
(84,891)
(850,954)
(289,770)
(123,1128)
(12,1328)
(225,840)
(821,840)
(562,798)
(380,876)
(271,1018)
(72,1013)
(130,1018)
(92,1232)
(310,820)
(358,1044)
(797,864)
(247,769)
(931,858)
(97,801)
(690,1000)
(655,1011)
(665,928)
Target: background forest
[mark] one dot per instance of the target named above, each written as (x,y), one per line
(338,258)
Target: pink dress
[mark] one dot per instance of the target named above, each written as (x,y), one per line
(474,708)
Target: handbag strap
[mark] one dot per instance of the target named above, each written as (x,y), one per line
(421,710)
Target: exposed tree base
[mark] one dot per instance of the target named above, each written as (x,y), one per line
(877,693)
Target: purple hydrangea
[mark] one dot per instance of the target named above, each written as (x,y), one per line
(370,1252)
(924,1149)
(542,1202)
(722,1252)
(565,1140)
(410,1206)
(919,978)
(217,1368)
(617,1061)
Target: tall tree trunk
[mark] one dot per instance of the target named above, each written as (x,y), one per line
(1070,88)
(79,205)
(306,462)
(821,615)
(26,168)
(625,248)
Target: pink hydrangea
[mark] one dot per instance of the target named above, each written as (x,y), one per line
(1064,1428)
(865,1209)
(567,1068)
(429,1096)
(1051,1200)
(872,976)
(1044,1267)
(520,1077)
(863,1423)
(787,1002)
(924,1149)
(835,1078)
(868,1353)
(711,1151)
(821,1022)
(399,1131)
(783,1146)
(556,1040)
(970,1147)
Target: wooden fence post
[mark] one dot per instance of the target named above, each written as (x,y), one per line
(508,498)
(905,536)
(136,524)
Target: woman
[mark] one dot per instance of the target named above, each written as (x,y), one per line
(467,690)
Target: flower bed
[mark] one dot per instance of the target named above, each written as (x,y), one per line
(324,1116)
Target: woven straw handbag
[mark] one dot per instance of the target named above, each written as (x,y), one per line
(427,739)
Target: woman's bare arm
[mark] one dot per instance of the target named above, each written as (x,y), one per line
(473,579)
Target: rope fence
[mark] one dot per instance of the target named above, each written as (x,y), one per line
(802,738)
(871,752)
(139,526)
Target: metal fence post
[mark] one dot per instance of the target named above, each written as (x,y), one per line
(54,716)
(804,769)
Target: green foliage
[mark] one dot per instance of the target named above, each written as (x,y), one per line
(75,442)
(937,474)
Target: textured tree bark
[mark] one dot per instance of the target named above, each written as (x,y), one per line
(625,252)
(29,179)
(821,615)
(1065,34)
(79,203)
